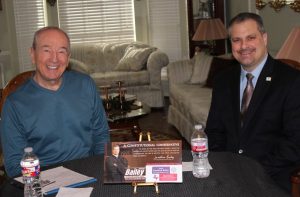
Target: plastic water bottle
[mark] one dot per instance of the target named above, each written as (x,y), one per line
(31,174)
(199,146)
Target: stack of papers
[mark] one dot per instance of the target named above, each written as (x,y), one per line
(74,192)
(55,178)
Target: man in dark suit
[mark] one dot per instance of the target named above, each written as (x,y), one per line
(116,166)
(267,127)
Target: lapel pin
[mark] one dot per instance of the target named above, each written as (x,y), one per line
(268,78)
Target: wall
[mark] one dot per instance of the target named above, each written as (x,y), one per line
(4,44)
(140,8)
(8,33)
(184,30)
(278,26)
(8,39)
(236,6)
(4,56)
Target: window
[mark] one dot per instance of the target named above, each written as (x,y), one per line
(29,16)
(164,26)
(83,20)
(97,20)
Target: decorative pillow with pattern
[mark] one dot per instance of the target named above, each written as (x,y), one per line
(134,58)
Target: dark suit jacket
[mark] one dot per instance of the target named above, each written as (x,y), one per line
(271,129)
(116,168)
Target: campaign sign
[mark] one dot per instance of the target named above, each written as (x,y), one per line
(146,161)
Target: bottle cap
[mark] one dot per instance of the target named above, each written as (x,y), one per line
(28,149)
(198,126)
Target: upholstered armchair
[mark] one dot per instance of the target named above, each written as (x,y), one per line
(12,85)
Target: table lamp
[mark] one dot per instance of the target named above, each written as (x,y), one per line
(210,30)
(291,47)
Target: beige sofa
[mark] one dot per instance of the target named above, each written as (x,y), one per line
(136,64)
(190,89)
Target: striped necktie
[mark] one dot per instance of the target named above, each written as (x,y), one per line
(247,94)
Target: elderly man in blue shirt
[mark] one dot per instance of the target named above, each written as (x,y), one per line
(57,112)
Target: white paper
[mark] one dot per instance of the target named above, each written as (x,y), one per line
(188,166)
(74,192)
(59,177)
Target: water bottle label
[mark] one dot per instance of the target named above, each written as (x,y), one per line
(31,172)
(199,145)
(30,163)
(30,168)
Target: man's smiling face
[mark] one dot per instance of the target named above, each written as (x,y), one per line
(51,57)
(249,45)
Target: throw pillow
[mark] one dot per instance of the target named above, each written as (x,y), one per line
(134,58)
(201,68)
(217,65)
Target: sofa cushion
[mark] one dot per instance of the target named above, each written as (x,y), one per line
(90,54)
(201,68)
(130,78)
(217,65)
(191,100)
(113,52)
(134,58)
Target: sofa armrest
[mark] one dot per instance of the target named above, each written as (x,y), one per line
(155,62)
(180,71)
(79,66)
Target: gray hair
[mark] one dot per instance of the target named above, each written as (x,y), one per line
(38,32)
(241,17)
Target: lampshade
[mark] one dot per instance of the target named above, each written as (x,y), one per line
(291,47)
(210,29)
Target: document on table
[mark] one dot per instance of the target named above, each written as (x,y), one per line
(74,192)
(55,178)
